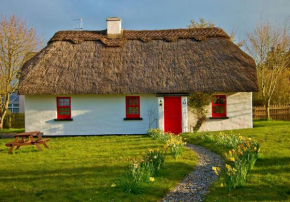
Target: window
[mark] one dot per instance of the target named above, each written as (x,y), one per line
(219,106)
(13,108)
(132,107)
(63,108)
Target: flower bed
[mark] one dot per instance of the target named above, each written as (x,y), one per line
(145,170)
(241,155)
(174,142)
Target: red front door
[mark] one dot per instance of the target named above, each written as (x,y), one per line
(172,115)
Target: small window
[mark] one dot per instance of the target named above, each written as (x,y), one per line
(132,107)
(63,108)
(219,106)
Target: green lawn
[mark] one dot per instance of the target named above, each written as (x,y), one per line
(12,130)
(83,169)
(270,178)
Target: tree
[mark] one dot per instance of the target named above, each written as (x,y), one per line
(203,24)
(269,46)
(16,40)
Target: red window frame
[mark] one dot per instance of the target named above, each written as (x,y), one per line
(217,104)
(60,105)
(131,105)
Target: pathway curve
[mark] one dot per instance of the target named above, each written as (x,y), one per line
(195,186)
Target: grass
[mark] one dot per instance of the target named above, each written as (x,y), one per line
(83,169)
(269,180)
(12,130)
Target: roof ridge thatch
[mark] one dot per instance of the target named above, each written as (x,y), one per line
(198,34)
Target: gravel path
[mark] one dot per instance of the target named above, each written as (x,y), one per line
(195,186)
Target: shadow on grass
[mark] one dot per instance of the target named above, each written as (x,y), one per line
(267,162)
(253,193)
(84,172)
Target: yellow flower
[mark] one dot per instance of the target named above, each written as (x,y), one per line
(222,185)
(216,172)
(255,149)
(234,170)
(152,179)
(232,159)
(135,165)
(229,168)
(113,185)
(249,138)
(150,150)
(165,146)
(185,138)
(213,168)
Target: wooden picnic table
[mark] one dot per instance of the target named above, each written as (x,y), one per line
(27,138)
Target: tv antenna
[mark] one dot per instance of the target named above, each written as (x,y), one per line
(79,25)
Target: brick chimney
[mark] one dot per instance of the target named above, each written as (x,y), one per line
(114,27)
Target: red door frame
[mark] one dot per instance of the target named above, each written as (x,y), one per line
(172,115)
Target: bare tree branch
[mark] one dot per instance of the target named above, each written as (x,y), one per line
(16,41)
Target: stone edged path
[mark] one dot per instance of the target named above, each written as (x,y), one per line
(195,186)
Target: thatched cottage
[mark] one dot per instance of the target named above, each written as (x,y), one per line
(119,81)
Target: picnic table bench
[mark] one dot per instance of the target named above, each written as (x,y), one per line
(27,138)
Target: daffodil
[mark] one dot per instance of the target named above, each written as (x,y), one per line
(232,159)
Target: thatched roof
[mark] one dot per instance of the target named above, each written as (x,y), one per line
(157,61)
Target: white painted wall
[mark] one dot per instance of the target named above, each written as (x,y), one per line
(239,111)
(104,114)
(91,114)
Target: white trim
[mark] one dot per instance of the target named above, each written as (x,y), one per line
(160,113)
(184,114)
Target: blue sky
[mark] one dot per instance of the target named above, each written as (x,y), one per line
(50,16)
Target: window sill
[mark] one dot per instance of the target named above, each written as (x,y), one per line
(133,119)
(219,117)
(63,119)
